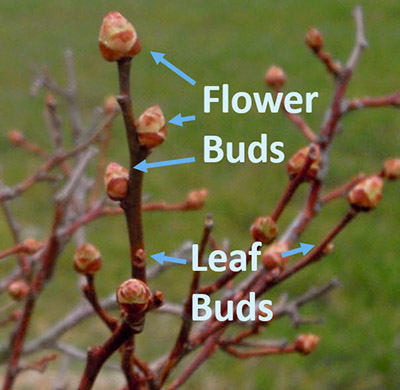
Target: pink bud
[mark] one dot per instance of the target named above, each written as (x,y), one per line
(367,194)
(306,343)
(18,289)
(275,77)
(134,296)
(116,181)
(196,199)
(117,38)
(31,246)
(391,169)
(297,161)
(87,259)
(151,127)
(314,39)
(264,229)
(272,256)
(16,137)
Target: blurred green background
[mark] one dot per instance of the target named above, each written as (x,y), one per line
(225,42)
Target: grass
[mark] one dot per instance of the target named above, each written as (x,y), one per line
(232,42)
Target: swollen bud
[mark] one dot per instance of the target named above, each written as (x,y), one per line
(134,296)
(306,343)
(391,169)
(18,289)
(117,38)
(151,127)
(31,246)
(264,229)
(196,199)
(367,194)
(16,137)
(275,77)
(110,105)
(297,161)
(314,39)
(272,256)
(87,259)
(116,181)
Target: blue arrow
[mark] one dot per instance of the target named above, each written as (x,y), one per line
(179,119)
(144,165)
(305,248)
(159,57)
(160,258)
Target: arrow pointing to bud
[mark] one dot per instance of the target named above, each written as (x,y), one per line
(159,57)
(305,248)
(161,258)
(179,119)
(144,165)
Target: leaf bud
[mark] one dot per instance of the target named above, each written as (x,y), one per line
(264,229)
(306,343)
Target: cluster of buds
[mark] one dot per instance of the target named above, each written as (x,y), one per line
(118,38)
(314,39)
(391,169)
(133,296)
(196,199)
(275,77)
(297,161)
(31,246)
(272,256)
(18,289)
(367,194)
(306,343)
(116,181)
(16,137)
(264,229)
(87,259)
(151,127)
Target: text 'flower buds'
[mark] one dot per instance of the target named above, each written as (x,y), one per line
(134,296)
(151,127)
(116,181)
(367,194)
(314,39)
(18,289)
(275,77)
(196,199)
(391,169)
(297,161)
(306,343)
(117,38)
(87,259)
(272,256)
(264,229)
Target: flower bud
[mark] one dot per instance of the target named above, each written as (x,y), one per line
(275,77)
(264,229)
(151,127)
(328,249)
(314,39)
(31,246)
(116,181)
(272,256)
(110,105)
(391,169)
(16,137)
(18,289)
(306,343)
(133,296)
(196,199)
(87,259)
(366,194)
(117,38)
(297,161)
